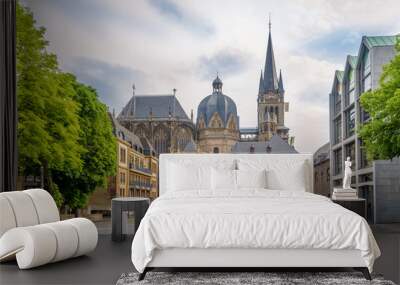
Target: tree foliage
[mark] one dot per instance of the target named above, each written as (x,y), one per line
(62,126)
(381,136)
(99,157)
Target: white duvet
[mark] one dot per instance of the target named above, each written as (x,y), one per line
(250,219)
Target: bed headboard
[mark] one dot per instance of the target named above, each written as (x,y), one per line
(227,160)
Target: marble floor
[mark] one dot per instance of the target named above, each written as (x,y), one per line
(110,260)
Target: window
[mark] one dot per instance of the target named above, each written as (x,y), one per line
(366,83)
(337,100)
(364,115)
(183,137)
(349,98)
(363,157)
(350,122)
(337,162)
(351,78)
(122,155)
(160,140)
(122,178)
(337,130)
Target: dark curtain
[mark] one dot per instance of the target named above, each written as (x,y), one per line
(8,97)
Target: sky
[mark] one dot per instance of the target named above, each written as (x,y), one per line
(159,45)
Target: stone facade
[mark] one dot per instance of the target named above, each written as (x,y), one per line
(137,171)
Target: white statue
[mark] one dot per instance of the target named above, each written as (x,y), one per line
(347,174)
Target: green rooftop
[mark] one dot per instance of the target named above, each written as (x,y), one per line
(380,40)
(339,74)
(352,60)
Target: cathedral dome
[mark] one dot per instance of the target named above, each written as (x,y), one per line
(218,103)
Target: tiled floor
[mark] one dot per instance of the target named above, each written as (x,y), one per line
(110,260)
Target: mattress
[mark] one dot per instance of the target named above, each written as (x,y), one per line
(250,219)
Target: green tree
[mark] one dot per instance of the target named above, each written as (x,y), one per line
(99,158)
(62,126)
(48,127)
(381,136)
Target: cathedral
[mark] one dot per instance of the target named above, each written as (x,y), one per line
(159,118)
(162,120)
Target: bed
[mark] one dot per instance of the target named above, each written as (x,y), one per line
(245,211)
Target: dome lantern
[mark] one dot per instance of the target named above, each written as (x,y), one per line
(217,85)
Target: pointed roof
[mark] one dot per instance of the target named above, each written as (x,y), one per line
(270,78)
(261,85)
(280,83)
(140,106)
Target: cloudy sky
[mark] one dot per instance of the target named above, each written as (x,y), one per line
(164,44)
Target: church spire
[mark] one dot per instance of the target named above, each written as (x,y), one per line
(270,78)
(280,83)
(261,86)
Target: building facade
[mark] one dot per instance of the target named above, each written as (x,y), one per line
(322,171)
(160,119)
(361,74)
(217,122)
(136,173)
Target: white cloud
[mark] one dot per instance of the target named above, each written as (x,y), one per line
(167,50)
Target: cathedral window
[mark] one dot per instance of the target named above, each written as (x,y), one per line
(202,124)
(216,121)
(183,137)
(160,140)
(231,123)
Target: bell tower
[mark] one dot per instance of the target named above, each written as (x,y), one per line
(271,107)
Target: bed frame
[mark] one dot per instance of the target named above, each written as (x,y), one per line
(246,259)
(260,259)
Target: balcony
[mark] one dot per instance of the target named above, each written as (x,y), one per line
(140,169)
(140,185)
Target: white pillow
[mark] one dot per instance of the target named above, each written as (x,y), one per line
(224,179)
(251,178)
(287,175)
(188,177)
